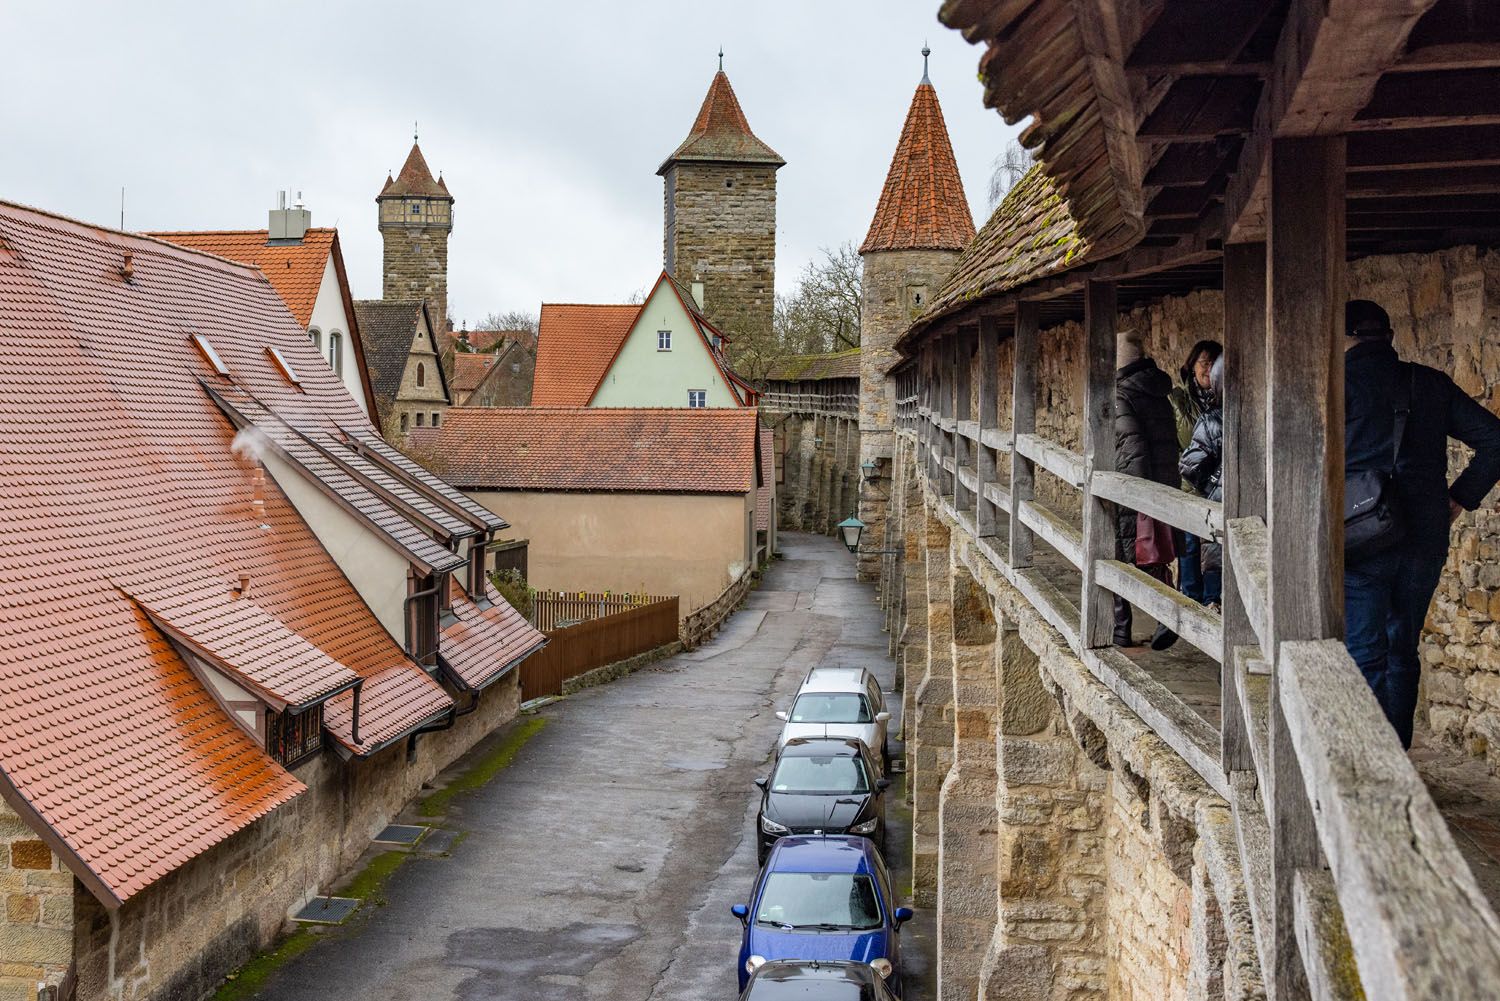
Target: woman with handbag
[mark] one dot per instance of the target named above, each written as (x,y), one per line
(1202,468)
(1190,398)
(1145,446)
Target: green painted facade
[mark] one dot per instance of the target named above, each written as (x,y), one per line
(645,376)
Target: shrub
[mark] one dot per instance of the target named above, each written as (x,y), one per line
(514,589)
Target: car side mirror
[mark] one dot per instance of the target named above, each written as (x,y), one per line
(881,717)
(882,784)
(903,915)
(742,912)
(761,782)
(781,715)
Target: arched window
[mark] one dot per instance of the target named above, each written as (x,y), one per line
(405,421)
(317,338)
(421,374)
(336,351)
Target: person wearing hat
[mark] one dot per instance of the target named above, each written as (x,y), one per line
(1398,417)
(1145,446)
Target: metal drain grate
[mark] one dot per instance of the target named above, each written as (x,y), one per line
(401,834)
(327,910)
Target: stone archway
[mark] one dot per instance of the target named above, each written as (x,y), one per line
(968,823)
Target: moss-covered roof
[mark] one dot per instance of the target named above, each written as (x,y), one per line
(831,365)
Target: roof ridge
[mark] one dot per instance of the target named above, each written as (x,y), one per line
(96,229)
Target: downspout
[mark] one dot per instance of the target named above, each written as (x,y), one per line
(406,612)
(354,726)
(451,676)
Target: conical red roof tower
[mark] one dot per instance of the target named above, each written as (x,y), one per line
(922,206)
(721,133)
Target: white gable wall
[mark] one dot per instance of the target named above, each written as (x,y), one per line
(642,376)
(328,317)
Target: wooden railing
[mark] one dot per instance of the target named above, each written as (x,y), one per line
(559,609)
(609,639)
(830,404)
(1342,846)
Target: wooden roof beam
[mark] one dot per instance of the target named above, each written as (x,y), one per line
(1199,38)
(1328,61)
(1440,97)
(1445,180)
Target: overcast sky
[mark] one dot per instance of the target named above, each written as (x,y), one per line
(548,121)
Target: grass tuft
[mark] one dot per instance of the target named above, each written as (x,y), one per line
(477,775)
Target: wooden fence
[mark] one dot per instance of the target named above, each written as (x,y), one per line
(559,609)
(604,640)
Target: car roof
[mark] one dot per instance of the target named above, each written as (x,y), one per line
(835,679)
(822,853)
(806,747)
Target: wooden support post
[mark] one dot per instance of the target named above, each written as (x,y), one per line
(963,381)
(1022,421)
(1096,606)
(989,417)
(929,400)
(1244,463)
(948,365)
(1304,475)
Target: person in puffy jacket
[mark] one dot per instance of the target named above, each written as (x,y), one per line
(1145,446)
(1190,397)
(1202,468)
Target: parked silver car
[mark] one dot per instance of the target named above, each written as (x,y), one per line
(839,702)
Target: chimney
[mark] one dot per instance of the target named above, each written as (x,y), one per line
(698,294)
(288,225)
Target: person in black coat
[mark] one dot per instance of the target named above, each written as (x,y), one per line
(1202,463)
(1386,595)
(1145,446)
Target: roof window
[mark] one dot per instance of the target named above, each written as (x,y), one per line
(209,354)
(284,365)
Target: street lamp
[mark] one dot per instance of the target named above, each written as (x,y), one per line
(869,467)
(849,530)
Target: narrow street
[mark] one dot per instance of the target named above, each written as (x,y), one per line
(601,863)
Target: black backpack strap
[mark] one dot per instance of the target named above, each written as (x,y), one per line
(1403,411)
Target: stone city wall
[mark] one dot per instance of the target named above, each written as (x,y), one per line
(36,925)
(819,461)
(1445,309)
(1068,852)
(176,940)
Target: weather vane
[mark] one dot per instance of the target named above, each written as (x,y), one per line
(721,59)
(925,53)
(413,131)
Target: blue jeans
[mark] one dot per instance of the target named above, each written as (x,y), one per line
(1203,587)
(1385,604)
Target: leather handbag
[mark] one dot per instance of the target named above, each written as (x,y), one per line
(1373,520)
(1153,542)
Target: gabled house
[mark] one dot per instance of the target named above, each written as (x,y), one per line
(500,378)
(221,593)
(305,266)
(410,387)
(661,353)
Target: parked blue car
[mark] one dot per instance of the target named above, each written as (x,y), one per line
(823,898)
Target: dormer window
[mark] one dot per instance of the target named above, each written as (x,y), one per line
(284,365)
(316,336)
(209,354)
(292,738)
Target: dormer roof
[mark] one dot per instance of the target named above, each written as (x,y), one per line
(721,133)
(922,206)
(415,179)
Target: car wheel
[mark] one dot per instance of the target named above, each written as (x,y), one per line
(885,755)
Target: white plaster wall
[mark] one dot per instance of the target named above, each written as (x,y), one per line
(373,566)
(645,377)
(328,315)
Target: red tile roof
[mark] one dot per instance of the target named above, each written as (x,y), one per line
(641,450)
(415,179)
(721,133)
(484,643)
(469,370)
(488,340)
(922,205)
(765,495)
(575,345)
(295,270)
(123,479)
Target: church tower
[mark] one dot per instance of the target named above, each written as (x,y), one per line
(921,224)
(720,213)
(416,216)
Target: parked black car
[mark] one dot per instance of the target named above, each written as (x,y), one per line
(821,785)
(816,981)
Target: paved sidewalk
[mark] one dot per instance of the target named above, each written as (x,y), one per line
(602,862)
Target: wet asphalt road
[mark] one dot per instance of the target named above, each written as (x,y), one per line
(602,862)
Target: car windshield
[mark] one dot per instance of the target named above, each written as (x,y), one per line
(832,707)
(804,988)
(820,773)
(822,901)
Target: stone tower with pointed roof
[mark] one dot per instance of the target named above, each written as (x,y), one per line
(720,213)
(416,216)
(921,224)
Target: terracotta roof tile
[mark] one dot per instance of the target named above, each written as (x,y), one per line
(721,133)
(120,467)
(295,270)
(485,643)
(488,340)
(575,344)
(469,370)
(922,206)
(648,450)
(415,179)
(766,493)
